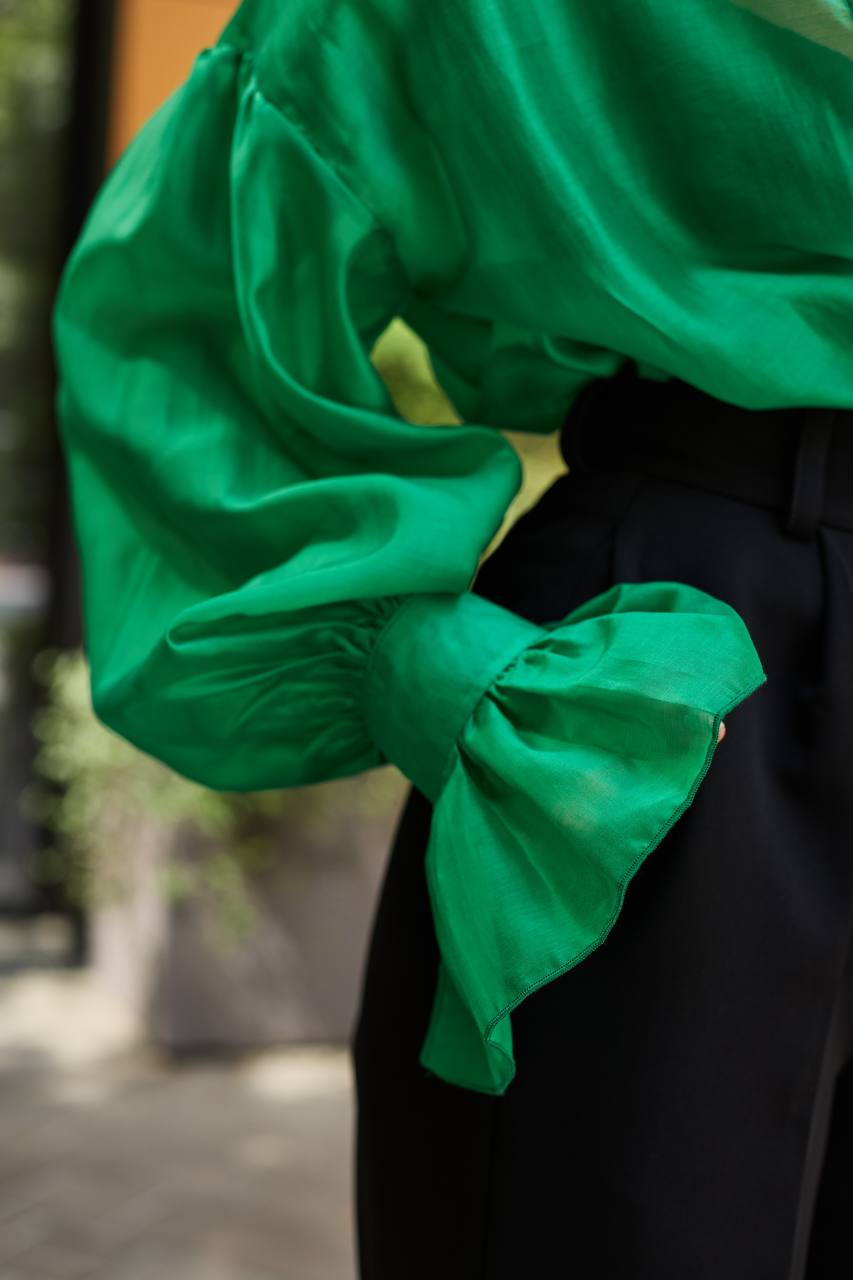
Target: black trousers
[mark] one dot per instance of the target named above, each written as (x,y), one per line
(710,1038)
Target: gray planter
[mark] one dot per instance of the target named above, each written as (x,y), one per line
(295,977)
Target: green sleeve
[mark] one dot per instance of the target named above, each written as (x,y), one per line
(248,505)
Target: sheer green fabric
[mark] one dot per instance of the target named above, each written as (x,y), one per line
(277,566)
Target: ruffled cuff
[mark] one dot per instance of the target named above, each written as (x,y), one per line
(429,667)
(557,758)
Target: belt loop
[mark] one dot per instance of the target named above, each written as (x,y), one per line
(810,465)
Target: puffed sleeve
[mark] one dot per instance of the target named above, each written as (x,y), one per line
(276,566)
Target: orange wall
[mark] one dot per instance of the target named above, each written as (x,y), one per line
(156,41)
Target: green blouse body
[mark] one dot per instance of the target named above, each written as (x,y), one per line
(277,565)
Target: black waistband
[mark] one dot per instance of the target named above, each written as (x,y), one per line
(798,460)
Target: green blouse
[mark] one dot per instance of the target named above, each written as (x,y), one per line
(277,565)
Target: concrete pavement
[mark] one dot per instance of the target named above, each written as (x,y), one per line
(118,1165)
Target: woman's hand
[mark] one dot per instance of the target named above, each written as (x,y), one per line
(722,732)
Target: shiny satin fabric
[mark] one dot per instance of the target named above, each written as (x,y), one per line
(277,566)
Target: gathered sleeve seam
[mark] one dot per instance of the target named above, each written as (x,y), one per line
(243,57)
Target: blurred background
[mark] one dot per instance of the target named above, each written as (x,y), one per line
(179,968)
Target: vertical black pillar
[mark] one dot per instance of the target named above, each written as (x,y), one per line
(85,168)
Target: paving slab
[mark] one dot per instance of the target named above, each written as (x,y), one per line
(117,1163)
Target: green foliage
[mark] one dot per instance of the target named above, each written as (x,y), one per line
(35,66)
(94,790)
(32,38)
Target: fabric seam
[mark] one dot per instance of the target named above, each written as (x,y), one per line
(369,668)
(472,710)
(244,57)
(289,113)
(480,691)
